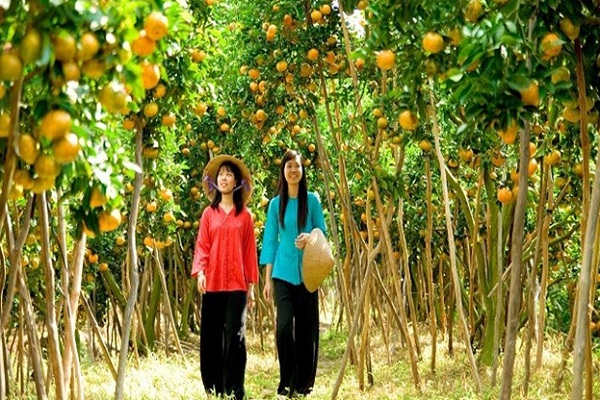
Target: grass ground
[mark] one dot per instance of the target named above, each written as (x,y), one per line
(177,377)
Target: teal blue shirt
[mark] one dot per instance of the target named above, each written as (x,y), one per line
(278,243)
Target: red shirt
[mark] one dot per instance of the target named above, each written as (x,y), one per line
(226,250)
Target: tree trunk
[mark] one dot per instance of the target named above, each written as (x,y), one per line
(516,257)
(132,265)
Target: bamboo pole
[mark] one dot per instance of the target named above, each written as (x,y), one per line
(10,160)
(514,300)
(55,356)
(132,264)
(71,356)
(451,243)
(583,289)
(429,267)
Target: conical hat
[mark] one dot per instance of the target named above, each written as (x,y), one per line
(209,177)
(317,261)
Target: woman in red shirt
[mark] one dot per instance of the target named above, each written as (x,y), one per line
(225,264)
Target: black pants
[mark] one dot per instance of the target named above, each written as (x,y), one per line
(223,343)
(297,336)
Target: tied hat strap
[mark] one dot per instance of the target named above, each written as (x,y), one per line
(243,185)
(213,186)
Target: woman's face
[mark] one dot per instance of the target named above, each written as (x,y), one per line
(293,171)
(225,180)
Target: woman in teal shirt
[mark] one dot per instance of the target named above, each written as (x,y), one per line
(292,214)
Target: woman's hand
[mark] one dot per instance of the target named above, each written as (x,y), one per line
(268,290)
(201,282)
(250,296)
(301,240)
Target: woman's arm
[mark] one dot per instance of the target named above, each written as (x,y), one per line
(268,287)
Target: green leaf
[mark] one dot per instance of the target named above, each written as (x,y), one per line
(518,82)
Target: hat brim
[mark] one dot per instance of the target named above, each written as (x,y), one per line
(212,169)
(317,261)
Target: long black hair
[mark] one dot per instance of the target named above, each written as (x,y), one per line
(282,191)
(237,194)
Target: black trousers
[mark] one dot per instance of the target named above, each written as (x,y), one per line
(223,343)
(297,336)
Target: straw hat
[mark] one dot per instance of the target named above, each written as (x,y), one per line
(209,177)
(317,261)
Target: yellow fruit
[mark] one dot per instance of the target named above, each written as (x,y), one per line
(455,36)
(93,69)
(433,42)
(114,98)
(150,152)
(4,125)
(473,11)
(408,121)
(169,119)
(31,46)
(200,109)
(224,127)
(254,74)
(166,194)
(562,74)
(159,91)
(221,111)
(532,167)
(505,195)
(198,55)
(2,90)
(109,220)
(64,45)
(23,178)
(156,26)
(571,114)
(325,9)
(382,123)
(128,124)
(149,242)
(55,124)
(465,154)
(150,75)
(532,149)
(46,166)
(359,63)
(271,32)
(66,149)
(150,109)
(531,95)
(28,149)
(386,60)
(569,29)
(103,267)
(71,71)
(312,54)
(552,158)
(168,217)
(316,16)
(119,240)
(11,66)
(97,199)
(425,145)
(151,207)
(88,46)
(551,46)
(281,66)
(261,115)
(41,184)
(509,134)
(143,45)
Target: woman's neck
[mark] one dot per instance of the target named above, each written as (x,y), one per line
(293,191)
(227,200)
